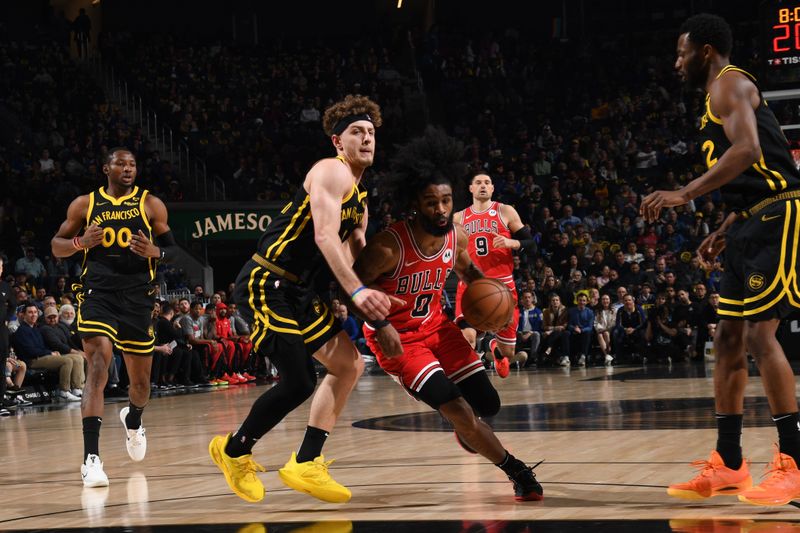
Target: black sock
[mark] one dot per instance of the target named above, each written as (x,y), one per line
(312,444)
(240,444)
(134,418)
(91,435)
(729,439)
(510,465)
(788,425)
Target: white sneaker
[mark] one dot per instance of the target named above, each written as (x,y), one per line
(67,396)
(92,472)
(135,440)
(77,392)
(564,361)
(609,360)
(582,360)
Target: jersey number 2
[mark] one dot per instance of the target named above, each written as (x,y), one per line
(708,147)
(422,306)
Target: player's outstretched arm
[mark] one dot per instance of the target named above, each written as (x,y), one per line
(735,98)
(66,241)
(466,270)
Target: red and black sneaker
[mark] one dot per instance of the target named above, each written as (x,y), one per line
(526,487)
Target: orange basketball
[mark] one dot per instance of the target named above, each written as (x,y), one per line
(487,304)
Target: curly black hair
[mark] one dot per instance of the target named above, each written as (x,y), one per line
(433,158)
(705,28)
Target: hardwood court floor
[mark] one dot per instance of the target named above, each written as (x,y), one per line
(612,440)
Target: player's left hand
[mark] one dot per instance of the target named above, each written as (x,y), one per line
(141,246)
(654,202)
(502,242)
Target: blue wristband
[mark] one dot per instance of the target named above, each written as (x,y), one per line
(353,294)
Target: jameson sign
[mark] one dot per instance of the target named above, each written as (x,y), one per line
(221,221)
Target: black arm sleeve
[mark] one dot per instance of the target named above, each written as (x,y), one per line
(169,248)
(526,240)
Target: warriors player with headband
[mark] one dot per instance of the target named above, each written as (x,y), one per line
(494,231)
(318,232)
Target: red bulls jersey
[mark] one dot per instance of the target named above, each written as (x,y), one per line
(419,280)
(494,262)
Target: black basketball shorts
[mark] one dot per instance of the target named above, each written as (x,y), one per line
(125,317)
(276,307)
(761,263)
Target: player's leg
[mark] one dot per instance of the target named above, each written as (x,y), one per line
(306,471)
(136,340)
(725,471)
(783,483)
(98,351)
(232,453)
(462,392)
(442,394)
(344,365)
(139,367)
(504,347)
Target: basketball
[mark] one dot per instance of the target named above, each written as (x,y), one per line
(487,304)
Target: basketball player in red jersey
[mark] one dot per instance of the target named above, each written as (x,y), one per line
(494,231)
(417,344)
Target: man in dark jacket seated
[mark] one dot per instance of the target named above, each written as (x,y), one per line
(31,348)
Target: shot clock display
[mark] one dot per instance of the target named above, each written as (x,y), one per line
(780,37)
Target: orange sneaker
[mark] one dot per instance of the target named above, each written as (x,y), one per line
(780,486)
(501,364)
(503,367)
(714,479)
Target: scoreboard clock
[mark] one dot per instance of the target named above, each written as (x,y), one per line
(780,38)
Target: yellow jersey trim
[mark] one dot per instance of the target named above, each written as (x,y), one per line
(118,201)
(289,226)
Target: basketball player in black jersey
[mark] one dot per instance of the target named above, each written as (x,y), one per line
(116,296)
(748,158)
(321,230)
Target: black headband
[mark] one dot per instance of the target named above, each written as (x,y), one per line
(349,119)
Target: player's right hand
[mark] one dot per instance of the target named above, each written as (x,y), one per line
(389,340)
(375,305)
(710,248)
(92,236)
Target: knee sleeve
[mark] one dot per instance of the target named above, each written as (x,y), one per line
(295,368)
(438,390)
(480,394)
(297,383)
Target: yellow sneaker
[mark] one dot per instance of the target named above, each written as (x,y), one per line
(240,472)
(312,477)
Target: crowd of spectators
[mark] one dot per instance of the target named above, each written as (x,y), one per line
(573,135)
(254,113)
